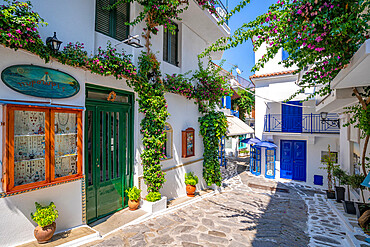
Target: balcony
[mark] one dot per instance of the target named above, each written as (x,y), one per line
(305,123)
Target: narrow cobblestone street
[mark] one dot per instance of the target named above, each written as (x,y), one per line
(252,211)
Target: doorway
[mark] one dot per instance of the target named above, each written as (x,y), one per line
(108,150)
(293,159)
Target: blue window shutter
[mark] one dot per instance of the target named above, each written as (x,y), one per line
(285,55)
(228,102)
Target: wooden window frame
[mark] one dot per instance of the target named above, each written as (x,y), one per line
(169,133)
(8,130)
(184,142)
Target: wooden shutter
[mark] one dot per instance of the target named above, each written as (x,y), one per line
(121,17)
(102,19)
(174,47)
(165,46)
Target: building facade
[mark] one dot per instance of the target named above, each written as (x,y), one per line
(82,152)
(295,127)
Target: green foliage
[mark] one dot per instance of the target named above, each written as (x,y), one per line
(133,193)
(355,181)
(210,87)
(153,196)
(213,127)
(317,33)
(190,178)
(245,103)
(154,107)
(18,28)
(329,167)
(340,175)
(179,84)
(74,55)
(45,216)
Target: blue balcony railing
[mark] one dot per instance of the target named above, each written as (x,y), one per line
(221,10)
(307,123)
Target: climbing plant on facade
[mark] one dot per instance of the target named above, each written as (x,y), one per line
(245,103)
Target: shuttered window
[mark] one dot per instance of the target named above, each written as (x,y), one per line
(170,47)
(112,22)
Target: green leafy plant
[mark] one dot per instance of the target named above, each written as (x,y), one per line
(133,193)
(191,178)
(179,84)
(329,167)
(355,181)
(45,216)
(340,175)
(213,127)
(153,196)
(245,103)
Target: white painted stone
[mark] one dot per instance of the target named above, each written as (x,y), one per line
(153,207)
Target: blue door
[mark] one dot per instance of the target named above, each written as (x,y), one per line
(255,166)
(292,117)
(293,159)
(270,163)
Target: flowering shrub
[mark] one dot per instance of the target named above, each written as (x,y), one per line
(74,55)
(179,84)
(318,33)
(110,62)
(208,4)
(210,88)
(18,28)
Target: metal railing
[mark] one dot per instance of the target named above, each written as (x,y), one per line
(221,10)
(308,123)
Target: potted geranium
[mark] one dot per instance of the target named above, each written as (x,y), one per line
(190,180)
(342,179)
(45,218)
(134,198)
(328,162)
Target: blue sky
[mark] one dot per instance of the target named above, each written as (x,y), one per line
(243,55)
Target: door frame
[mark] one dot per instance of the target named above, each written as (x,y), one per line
(254,159)
(292,153)
(130,131)
(266,175)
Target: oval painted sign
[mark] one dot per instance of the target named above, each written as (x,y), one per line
(40,81)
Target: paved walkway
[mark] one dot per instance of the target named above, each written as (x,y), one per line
(250,212)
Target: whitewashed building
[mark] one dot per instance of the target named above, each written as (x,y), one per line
(295,127)
(355,75)
(98,140)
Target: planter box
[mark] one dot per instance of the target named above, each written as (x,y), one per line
(339,193)
(330,194)
(349,207)
(153,207)
(361,208)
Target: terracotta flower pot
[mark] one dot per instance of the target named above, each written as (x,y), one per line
(44,234)
(133,205)
(190,190)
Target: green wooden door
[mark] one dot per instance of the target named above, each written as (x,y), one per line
(106,166)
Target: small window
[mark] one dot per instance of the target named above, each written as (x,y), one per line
(242,145)
(325,155)
(112,22)
(168,143)
(170,46)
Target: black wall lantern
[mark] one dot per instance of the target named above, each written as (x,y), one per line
(53,42)
(152,77)
(330,122)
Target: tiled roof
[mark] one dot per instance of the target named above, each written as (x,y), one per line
(272,74)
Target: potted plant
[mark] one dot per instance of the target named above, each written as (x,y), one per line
(349,206)
(134,198)
(45,218)
(190,180)
(342,177)
(328,162)
(355,181)
(153,196)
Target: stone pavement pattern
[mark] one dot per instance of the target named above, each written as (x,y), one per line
(239,216)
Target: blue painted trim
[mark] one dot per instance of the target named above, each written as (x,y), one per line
(40,104)
(273,175)
(255,159)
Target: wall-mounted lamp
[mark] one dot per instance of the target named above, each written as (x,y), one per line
(132,41)
(330,122)
(53,42)
(152,76)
